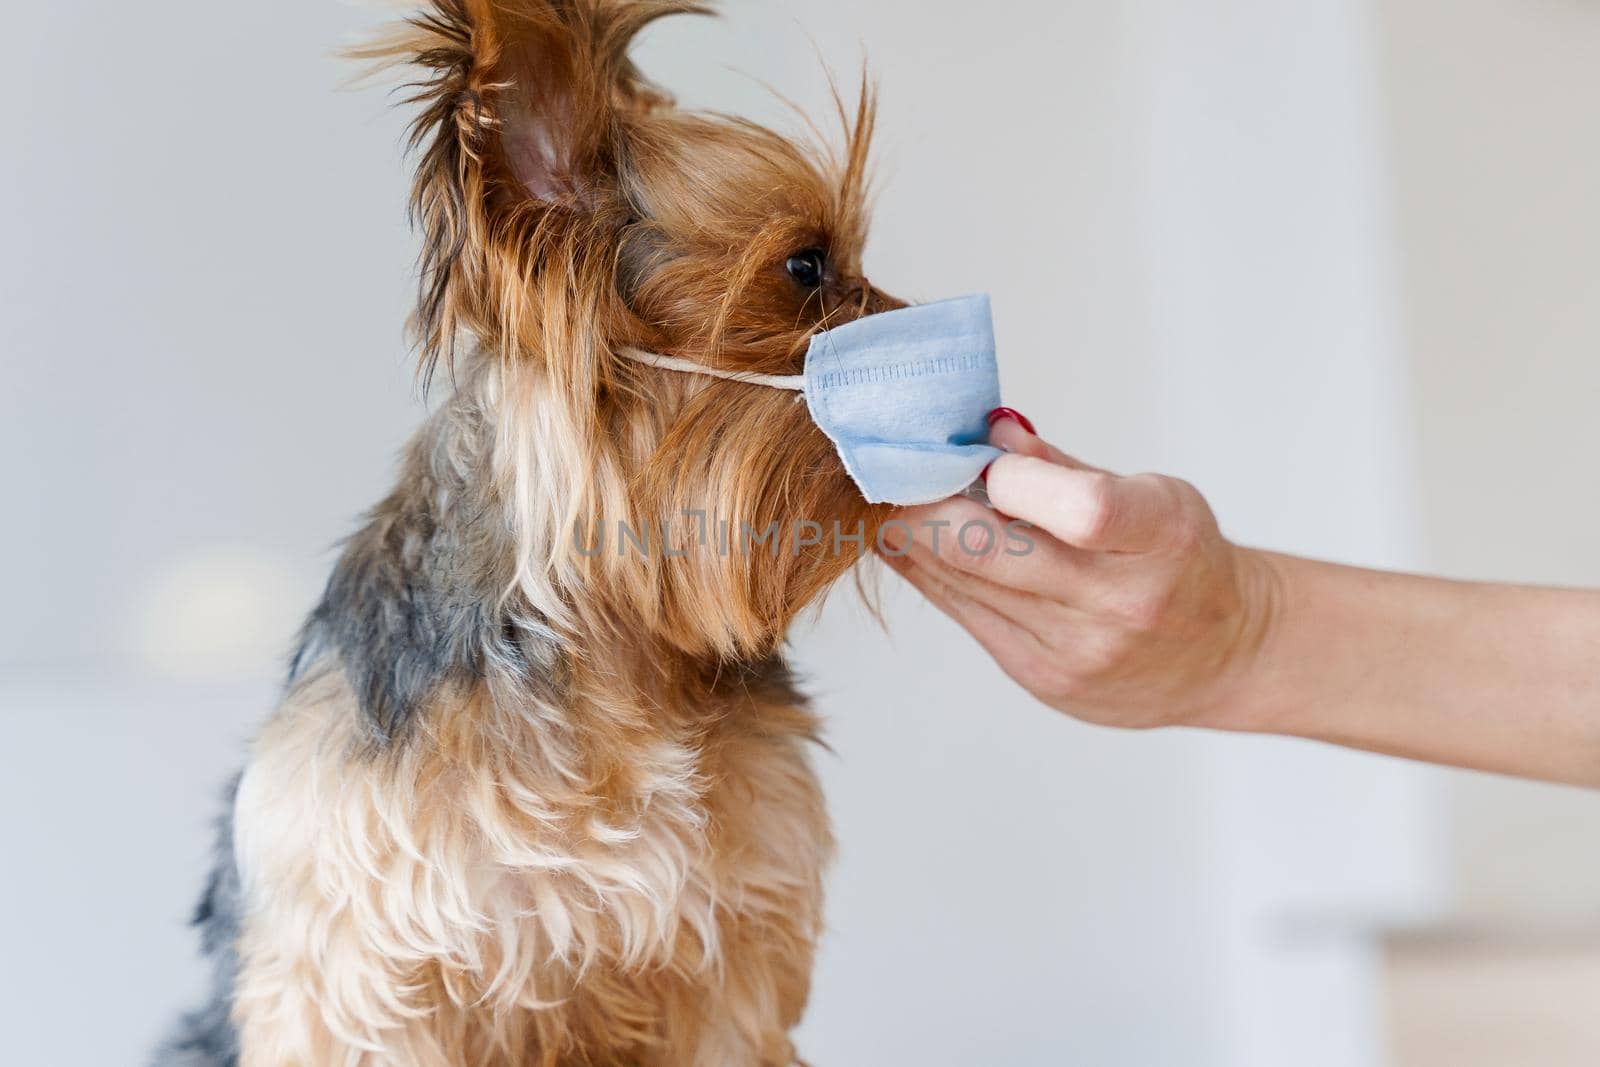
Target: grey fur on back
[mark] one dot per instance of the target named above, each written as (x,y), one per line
(416,599)
(206,1037)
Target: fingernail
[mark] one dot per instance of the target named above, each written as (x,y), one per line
(984,474)
(1016,416)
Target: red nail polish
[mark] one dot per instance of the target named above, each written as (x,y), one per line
(1012,413)
(984,474)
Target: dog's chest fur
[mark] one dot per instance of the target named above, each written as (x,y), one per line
(505,893)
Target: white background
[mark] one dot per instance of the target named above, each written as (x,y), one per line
(1223,240)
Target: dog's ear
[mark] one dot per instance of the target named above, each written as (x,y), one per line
(560,77)
(524,110)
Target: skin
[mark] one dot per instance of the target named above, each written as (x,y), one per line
(1134,611)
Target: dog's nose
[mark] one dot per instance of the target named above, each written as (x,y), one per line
(879,301)
(868,299)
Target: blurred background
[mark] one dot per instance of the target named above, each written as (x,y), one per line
(1336,261)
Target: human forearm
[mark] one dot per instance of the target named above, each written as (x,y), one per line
(1495,677)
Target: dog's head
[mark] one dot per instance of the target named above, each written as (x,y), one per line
(569,211)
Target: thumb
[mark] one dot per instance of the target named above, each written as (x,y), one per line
(1091,509)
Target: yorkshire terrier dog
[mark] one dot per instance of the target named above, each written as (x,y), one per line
(525,802)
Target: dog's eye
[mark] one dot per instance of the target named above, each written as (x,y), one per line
(808,267)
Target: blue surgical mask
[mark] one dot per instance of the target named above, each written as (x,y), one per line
(904,396)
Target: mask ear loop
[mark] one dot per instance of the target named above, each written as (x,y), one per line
(795,383)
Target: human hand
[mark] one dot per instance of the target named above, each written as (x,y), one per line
(1130,608)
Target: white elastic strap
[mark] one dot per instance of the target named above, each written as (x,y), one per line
(794,382)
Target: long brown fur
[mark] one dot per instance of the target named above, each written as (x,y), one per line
(524,804)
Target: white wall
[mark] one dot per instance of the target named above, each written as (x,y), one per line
(207,270)
(1179,209)
(1271,247)
(1496,149)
